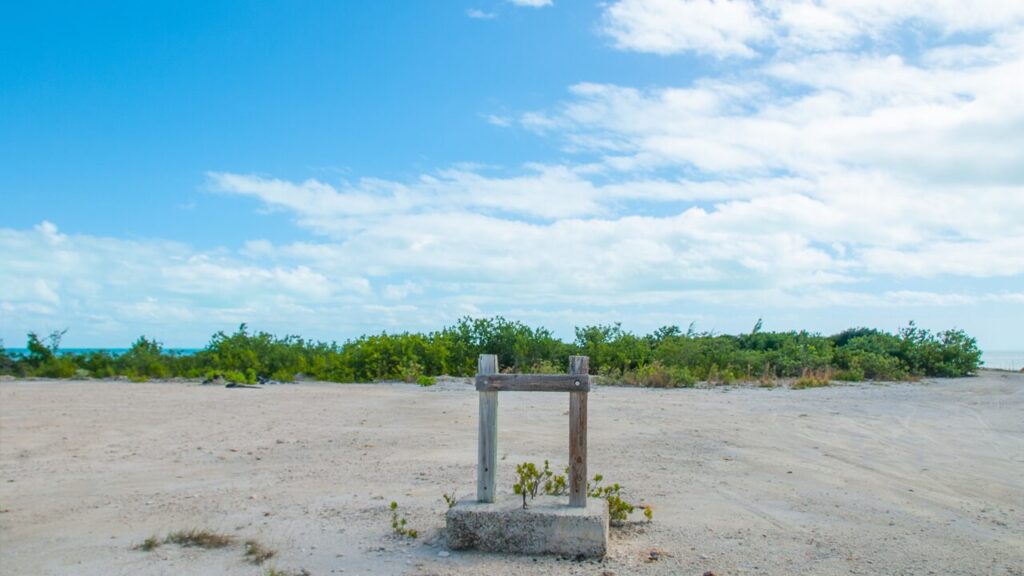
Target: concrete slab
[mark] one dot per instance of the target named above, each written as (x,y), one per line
(547,526)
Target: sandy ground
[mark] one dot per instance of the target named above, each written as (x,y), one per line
(919,478)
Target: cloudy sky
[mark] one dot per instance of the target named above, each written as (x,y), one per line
(336,168)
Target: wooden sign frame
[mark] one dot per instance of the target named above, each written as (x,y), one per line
(489,382)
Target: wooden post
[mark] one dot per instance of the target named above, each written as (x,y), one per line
(487,453)
(578,365)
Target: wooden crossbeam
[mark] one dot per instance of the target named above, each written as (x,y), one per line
(533,383)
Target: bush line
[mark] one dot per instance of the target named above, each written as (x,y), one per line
(668,357)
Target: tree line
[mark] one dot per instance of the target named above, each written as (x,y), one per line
(669,356)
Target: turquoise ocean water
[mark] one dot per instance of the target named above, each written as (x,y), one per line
(113,351)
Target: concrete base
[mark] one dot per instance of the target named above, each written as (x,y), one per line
(547,526)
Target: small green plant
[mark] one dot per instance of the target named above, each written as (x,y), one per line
(530,479)
(398,523)
(426,381)
(450,499)
(557,485)
(618,509)
(149,544)
(199,539)
(257,553)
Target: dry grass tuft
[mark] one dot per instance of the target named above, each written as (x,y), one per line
(258,553)
(149,544)
(199,539)
(275,572)
(813,379)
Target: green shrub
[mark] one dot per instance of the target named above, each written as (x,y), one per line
(950,353)
(257,553)
(849,375)
(57,367)
(531,479)
(546,367)
(657,375)
(149,544)
(239,377)
(398,523)
(426,380)
(144,360)
(812,379)
(668,357)
(199,539)
(8,364)
(99,364)
(40,352)
(451,499)
(618,509)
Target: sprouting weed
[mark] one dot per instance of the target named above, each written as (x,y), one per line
(398,523)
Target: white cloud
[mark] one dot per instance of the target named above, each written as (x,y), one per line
(104,286)
(498,120)
(876,114)
(704,26)
(532,3)
(907,170)
(744,28)
(790,185)
(811,175)
(478,14)
(542,191)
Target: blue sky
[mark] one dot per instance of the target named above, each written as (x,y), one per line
(336,168)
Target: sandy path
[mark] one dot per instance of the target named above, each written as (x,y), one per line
(898,479)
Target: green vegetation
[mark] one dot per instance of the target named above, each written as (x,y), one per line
(257,553)
(199,539)
(450,499)
(149,544)
(532,480)
(813,379)
(398,523)
(618,509)
(666,358)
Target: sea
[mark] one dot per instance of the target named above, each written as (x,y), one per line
(111,351)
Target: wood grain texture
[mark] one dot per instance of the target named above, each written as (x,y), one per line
(487,449)
(533,383)
(578,365)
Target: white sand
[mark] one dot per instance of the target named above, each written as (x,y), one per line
(922,478)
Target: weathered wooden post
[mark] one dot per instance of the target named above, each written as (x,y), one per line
(487,456)
(578,365)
